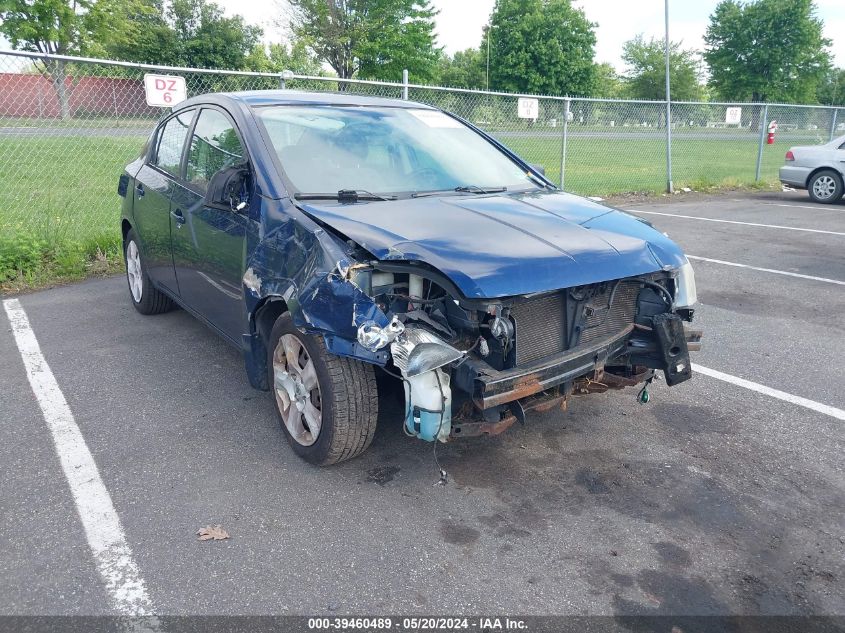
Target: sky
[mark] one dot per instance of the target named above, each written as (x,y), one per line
(460,22)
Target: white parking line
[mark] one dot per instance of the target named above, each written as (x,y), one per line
(804,206)
(767,270)
(103,530)
(767,226)
(833,412)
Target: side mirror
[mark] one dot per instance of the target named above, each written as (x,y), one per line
(538,168)
(226,189)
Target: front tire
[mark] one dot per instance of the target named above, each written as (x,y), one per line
(145,298)
(825,187)
(327,404)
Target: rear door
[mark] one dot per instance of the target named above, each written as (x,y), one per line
(209,243)
(154,186)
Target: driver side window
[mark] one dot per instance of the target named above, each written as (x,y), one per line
(214,146)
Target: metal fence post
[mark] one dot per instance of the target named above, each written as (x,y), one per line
(284,77)
(114,100)
(833,124)
(405,84)
(669,188)
(762,141)
(563,141)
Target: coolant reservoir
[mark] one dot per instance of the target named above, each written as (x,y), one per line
(428,416)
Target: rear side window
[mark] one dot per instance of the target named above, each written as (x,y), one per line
(171,140)
(214,146)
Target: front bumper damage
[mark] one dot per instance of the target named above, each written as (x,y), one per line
(550,383)
(472,367)
(464,395)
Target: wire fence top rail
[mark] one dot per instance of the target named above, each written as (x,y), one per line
(294,76)
(138,65)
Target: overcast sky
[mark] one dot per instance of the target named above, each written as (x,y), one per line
(460,22)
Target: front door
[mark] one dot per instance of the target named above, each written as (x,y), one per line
(209,243)
(155,184)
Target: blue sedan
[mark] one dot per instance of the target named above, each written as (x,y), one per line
(331,236)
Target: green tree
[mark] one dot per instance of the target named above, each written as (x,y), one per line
(62,27)
(178,33)
(646,76)
(768,50)
(375,39)
(209,39)
(540,46)
(607,82)
(463,70)
(831,90)
(147,38)
(278,57)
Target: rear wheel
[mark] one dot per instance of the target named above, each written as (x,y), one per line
(825,186)
(327,405)
(145,298)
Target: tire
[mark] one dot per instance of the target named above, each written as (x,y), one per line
(145,298)
(825,187)
(341,391)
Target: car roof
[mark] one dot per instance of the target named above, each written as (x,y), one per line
(257,98)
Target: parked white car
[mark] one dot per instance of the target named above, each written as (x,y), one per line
(820,169)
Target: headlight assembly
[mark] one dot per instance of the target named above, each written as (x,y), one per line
(685,295)
(417,351)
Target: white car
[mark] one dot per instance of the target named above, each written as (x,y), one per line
(820,169)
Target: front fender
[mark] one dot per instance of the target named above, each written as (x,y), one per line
(310,271)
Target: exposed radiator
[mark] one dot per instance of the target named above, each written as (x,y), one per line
(603,323)
(541,322)
(540,327)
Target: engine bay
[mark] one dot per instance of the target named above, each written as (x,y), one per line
(443,346)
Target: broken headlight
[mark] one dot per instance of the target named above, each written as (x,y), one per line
(418,351)
(685,295)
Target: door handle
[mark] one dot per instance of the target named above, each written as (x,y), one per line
(139,189)
(177,215)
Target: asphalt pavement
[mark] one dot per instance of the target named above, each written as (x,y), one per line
(712,499)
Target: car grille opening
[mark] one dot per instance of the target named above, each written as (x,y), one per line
(541,323)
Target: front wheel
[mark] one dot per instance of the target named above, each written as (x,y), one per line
(328,405)
(825,187)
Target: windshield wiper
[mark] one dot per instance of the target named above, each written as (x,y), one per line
(344,195)
(460,189)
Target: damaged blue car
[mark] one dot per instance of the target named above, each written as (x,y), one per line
(332,236)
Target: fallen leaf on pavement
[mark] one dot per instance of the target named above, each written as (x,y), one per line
(208,533)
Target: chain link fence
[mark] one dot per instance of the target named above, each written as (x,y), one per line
(69,125)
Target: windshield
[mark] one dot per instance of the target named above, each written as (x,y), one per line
(385,150)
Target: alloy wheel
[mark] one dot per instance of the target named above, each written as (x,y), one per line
(297,390)
(133,271)
(824,187)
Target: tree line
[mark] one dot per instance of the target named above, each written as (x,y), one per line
(763,50)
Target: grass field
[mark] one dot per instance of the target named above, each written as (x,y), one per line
(603,166)
(59,209)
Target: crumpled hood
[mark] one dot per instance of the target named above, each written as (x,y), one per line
(502,245)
